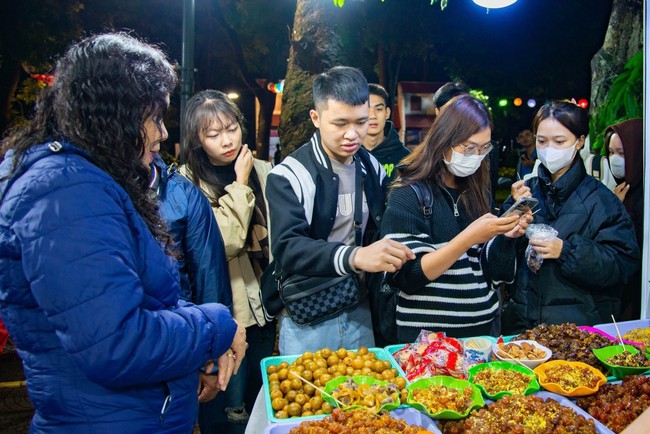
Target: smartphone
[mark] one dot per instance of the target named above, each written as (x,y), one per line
(522,206)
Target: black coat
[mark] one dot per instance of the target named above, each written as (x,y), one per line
(600,254)
(390,151)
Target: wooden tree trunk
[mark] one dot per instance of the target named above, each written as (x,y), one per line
(315,47)
(623,39)
(264,119)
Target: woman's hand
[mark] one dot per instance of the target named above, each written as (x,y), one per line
(230,361)
(548,249)
(522,225)
(519,189)
(621,190)
(208,384)
(488,226)
(244,165)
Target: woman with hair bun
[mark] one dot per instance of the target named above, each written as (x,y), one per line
(586,266)
(90,288)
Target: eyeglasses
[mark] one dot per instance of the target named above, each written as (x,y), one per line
(475,149)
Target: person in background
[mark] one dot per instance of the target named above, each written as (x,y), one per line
(460,249)
(202,260)
(624,142)
(595,253)
(527,153)
(224,169)
(91,288)
(447,92)
(382,140)
(311,208)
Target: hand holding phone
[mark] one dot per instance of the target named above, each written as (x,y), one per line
(522,206)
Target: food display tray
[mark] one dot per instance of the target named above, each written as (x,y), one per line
(410,415)
(623,327)
(566,402)
(275,360)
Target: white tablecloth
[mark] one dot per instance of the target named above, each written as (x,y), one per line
(258,420)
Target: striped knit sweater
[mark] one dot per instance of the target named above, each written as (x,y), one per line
(460,302)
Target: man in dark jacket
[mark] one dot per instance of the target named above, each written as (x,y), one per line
(382,140)
(311,207)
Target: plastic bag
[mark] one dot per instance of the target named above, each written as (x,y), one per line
(432,354)
(539,232)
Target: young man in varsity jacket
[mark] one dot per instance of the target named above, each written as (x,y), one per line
(311,199)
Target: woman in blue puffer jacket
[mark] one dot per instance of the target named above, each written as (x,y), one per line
(89,287)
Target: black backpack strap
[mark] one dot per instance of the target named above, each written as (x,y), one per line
(425,197)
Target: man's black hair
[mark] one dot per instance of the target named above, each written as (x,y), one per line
(376,89)
(340,83)
(447,91)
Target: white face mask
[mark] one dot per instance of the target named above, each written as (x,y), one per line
(463,165)
(556,159)
(617,164)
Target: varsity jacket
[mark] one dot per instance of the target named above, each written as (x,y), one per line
(302,195)
(461,301)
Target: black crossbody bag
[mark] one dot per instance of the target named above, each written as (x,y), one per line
(309,299)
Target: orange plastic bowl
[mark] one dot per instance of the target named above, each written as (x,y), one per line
(540,371)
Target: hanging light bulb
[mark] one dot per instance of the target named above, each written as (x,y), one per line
(531,103)
(517,102)
(494,4)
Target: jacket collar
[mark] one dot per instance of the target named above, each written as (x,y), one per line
(557,193)
(321,157)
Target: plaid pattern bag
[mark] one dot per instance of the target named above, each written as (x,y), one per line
(310,300)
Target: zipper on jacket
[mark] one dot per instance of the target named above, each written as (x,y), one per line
(168,399)
(454,202)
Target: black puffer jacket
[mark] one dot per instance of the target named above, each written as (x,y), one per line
(390,152)
(600,254)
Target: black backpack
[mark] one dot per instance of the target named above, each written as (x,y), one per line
(384,299)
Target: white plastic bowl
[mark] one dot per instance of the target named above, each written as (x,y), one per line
(531,364)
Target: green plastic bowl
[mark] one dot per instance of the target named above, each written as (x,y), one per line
(359,379)
(450,382)
(619,372)
(533,385)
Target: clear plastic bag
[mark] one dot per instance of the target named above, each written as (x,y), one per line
(539,232)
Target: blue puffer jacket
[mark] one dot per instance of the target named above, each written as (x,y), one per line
(188,215)
(92,303)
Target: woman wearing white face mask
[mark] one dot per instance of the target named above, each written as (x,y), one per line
(448,287)
(595,254)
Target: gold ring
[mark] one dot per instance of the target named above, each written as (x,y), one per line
(231,355)
(246,345)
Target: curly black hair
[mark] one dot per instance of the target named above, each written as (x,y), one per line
(104,89)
